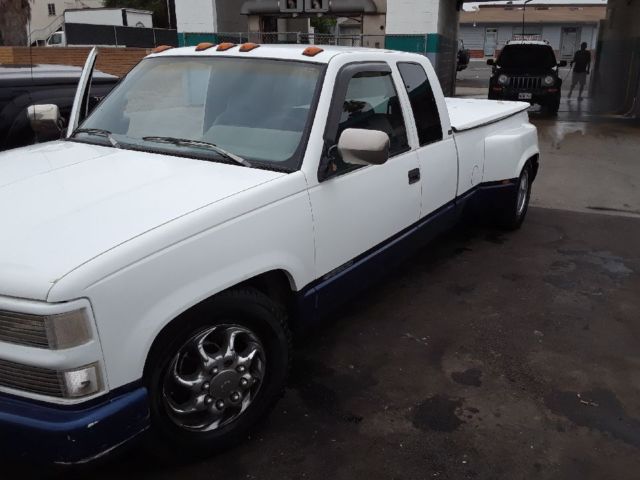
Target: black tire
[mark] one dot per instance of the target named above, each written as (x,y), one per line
(511,215)
(247,308)
(553,107)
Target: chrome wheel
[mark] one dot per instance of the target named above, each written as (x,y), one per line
(523,190)
(214,377)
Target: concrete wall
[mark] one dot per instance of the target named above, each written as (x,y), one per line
(196,16)
(616,74)
(229,18)
(412,16)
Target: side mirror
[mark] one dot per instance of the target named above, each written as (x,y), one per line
(490,61)
(45,120)
(363,147)
(563,63)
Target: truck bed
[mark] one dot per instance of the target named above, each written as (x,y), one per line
(468,113)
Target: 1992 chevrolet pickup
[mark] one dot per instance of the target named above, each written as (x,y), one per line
(154,262)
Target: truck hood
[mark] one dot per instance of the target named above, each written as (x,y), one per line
(65,203)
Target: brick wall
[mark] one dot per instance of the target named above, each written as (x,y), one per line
(116,61)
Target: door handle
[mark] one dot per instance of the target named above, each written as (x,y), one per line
(414,175)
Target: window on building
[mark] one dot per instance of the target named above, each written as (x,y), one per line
(423,102)
(372,103)
(51,7)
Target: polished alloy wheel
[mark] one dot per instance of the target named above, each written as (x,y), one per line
(523,189)
(214,377)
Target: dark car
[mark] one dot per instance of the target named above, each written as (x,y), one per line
(22,86)
(527,71)
(463,57)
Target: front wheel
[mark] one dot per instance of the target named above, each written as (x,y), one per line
(512,214)
(216,373)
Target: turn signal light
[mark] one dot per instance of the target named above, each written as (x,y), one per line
(225,46)
(161,48)
(247,47)
(312,51)
(204,46)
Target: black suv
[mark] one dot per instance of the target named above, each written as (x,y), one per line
(22,86)
(527,71)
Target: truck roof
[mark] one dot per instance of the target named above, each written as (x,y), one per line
(278,51)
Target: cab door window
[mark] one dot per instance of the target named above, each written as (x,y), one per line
(423,102)
(372,103)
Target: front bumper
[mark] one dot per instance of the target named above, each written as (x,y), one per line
(538,97)
(35,432)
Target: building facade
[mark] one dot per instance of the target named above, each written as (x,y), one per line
(565,24)
(424,26)
(47,16)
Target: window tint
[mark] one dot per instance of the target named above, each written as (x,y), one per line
(372,103)
(423,102)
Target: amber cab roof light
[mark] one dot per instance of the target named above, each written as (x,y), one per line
(312,51)
(247,47)
(204,46)
(161,48)
(225,46)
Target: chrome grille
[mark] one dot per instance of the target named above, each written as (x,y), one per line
(30,379)
(525,83)
(23,329)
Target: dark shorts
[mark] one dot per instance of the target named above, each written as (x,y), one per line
(579,78)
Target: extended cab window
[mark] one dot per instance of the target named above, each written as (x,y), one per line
(423,102)
(372,103)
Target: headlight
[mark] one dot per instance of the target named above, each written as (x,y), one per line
(549,80)
(503,79)
(55,332)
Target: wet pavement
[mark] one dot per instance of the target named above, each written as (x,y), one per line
(488,355)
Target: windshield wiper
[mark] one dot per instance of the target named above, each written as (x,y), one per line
(199,144)
(98,131)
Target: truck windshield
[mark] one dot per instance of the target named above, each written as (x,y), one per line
(255,109)
(527,56)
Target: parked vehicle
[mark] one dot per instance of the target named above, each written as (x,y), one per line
(22,86)
(155,263)
(463,57)
(86,26)
(527,70)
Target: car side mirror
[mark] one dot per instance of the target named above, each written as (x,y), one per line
(45,120)
(363,147)
(563,63)
(490,61)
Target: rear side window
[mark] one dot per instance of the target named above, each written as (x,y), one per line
(423,102)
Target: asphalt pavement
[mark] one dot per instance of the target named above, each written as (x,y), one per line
(488,355)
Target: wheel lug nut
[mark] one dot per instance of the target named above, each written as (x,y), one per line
(208,400)
(235,397)
(214,371)
(220,404)
(206,386)
(244,382)
(241,368)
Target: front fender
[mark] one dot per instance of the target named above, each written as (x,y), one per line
(134,304)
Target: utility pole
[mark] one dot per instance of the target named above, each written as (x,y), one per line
(524,9)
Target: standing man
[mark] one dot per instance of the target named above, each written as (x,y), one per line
(581,64)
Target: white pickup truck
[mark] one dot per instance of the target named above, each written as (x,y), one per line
(154,262)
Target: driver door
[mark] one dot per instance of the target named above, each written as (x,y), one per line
(359,212)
